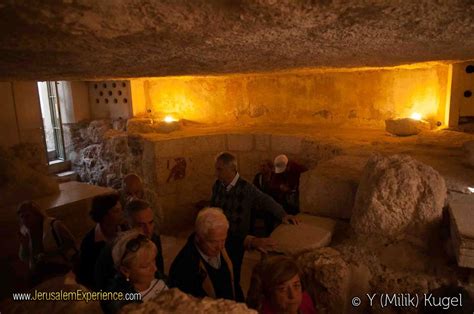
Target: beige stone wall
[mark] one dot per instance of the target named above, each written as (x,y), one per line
(74,100)
(178,196)
(20,121)
(8,122)
(350,97)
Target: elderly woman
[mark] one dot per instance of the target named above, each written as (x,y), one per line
(108,214)
(276,288)
(134,259)
(45,243)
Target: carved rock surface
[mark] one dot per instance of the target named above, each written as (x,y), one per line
(398,196)
(311,233)
(469,150)
(329,189)
(143,38)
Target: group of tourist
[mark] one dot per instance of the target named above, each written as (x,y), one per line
(123,251)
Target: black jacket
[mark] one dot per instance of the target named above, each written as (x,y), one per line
(189,274)
(89,253)
(118,284)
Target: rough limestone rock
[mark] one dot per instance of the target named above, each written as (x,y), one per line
(398,197)
(96,130)
(311,233)
(326,277)
(468,147)
(329,189)
(147,125)
(19,182)
(104,155)
(405,126)
(143,38)
(140,125)
(175,301)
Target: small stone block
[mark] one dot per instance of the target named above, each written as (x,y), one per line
(405,126)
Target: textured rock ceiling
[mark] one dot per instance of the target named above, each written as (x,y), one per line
(84,39)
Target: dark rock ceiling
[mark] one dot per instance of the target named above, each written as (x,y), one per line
(89,39)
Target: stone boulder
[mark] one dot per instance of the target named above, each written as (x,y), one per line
(175,301)
(326,277)
(398,197)
(329,189)
(406,126)
(468,148)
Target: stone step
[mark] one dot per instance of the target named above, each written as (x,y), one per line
(312,232)
(461,210)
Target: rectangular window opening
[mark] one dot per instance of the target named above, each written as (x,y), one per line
(52,125)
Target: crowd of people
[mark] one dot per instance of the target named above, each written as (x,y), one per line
(123,251)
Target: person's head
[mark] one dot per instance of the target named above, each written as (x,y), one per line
(106,209)
(266,167)
(140,215)
(132,186)
(226,167)
(211,230)
(280,284)
(30,214)
(281,162)
(134,257)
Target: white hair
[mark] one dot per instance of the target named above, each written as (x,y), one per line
(210,218)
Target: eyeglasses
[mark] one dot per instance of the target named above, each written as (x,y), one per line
(134,245)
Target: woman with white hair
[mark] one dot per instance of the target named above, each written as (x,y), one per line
(134,259)
(202,267)
(45,243)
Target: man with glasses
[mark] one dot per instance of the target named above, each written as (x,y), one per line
(139,216)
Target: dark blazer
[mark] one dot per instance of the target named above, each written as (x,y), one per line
(89,253)
(239,202)
(188,273)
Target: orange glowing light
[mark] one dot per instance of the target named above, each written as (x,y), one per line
(415,116)
(169,119)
